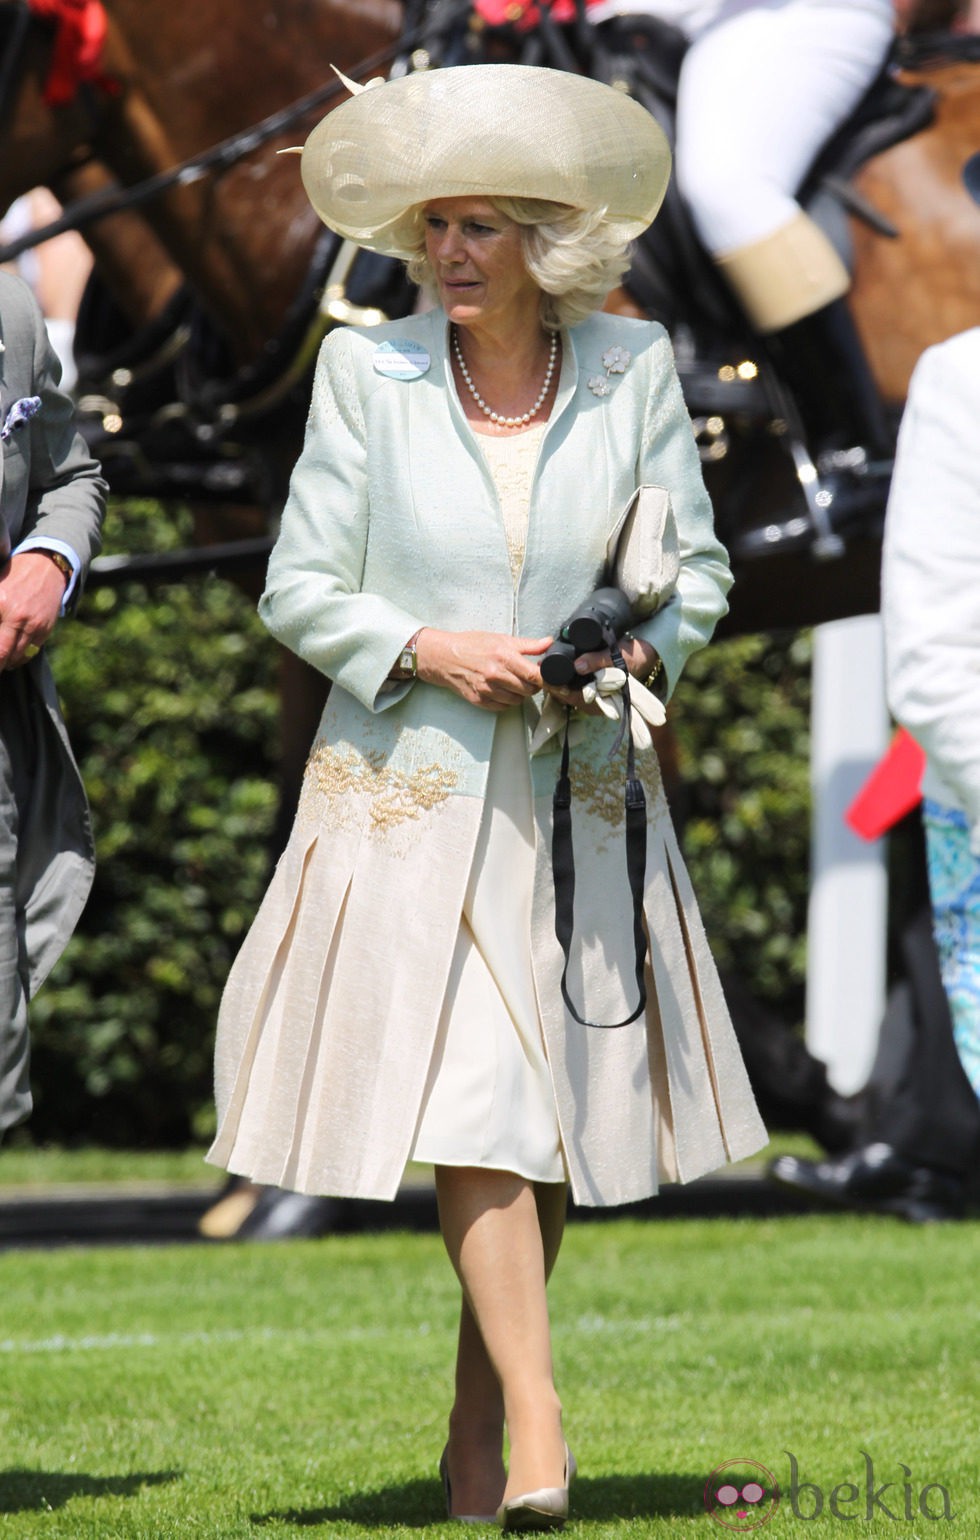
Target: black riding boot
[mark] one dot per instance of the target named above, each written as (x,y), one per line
(822,360)
(842,428)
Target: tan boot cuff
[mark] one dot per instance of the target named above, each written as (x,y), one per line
(786,275)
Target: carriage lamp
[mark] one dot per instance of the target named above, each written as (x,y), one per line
(746,370)
(712,437)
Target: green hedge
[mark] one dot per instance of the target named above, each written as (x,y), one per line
(742,716)
(170,697)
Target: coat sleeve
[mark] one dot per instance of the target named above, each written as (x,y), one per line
(313,600)
(66,491)
(931,569)
(669,458)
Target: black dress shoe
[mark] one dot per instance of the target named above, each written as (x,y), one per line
(281,1215)
(876,1178)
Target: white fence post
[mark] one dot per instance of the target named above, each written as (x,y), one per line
(847,918)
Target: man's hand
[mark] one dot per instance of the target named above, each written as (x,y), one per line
(31,591)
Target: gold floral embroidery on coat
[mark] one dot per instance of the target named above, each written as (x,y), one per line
(395,796)
(599,788)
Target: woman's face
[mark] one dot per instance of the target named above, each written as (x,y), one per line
(475,255)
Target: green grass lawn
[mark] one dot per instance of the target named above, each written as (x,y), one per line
(303,1386)
(26,1167)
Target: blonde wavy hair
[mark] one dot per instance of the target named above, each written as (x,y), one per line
(575,256)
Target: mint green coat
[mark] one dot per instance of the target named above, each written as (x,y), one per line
(392,523)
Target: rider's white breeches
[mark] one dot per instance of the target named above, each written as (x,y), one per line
(763,87)
(764,84)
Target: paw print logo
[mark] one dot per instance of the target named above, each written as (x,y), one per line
(741,1495)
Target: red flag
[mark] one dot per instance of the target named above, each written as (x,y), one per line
(892,789)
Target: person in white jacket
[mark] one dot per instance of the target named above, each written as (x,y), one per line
(931,610)
(923,1145)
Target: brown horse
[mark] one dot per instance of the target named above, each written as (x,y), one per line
(922,285)
(178,79)
(174,80)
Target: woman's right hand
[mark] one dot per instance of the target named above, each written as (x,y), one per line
(485,668)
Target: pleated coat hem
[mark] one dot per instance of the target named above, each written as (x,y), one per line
(329,1019)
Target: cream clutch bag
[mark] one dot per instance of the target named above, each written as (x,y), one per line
(643,550)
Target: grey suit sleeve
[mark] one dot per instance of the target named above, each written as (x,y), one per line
(66,492)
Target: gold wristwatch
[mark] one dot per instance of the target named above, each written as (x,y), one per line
(62,563)
(407,666)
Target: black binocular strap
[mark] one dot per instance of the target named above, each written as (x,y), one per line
(563,862)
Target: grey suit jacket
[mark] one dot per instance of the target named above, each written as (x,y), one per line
(52,490)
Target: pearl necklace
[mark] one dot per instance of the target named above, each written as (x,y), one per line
(507,422)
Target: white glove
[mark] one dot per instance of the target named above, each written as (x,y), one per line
(606,690)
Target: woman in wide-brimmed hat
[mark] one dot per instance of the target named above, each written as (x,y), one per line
(399,995)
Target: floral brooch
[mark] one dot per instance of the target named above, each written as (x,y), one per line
(615,360)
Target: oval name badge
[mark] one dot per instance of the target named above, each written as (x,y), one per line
(401,359)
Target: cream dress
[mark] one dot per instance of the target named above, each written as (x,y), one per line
(489,1098)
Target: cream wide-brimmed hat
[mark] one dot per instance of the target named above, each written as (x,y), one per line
(483,130)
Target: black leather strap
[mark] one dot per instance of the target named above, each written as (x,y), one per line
(563,860)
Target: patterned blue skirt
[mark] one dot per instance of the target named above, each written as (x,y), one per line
(954,886)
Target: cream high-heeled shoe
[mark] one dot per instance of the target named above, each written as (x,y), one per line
(460,1518)
(547,1508)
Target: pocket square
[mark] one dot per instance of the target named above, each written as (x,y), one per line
(20,415)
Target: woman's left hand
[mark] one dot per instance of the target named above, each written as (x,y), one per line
(638,656)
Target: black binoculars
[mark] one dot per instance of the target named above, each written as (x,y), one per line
(605,616)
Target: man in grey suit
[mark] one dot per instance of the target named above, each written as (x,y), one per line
(52,499)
